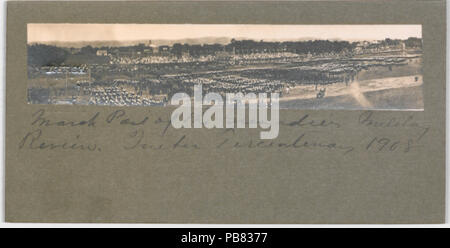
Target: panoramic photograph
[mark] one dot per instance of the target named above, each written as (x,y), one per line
(350,67)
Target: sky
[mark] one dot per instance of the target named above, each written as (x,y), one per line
(126,32)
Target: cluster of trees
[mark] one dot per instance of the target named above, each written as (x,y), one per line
(319,46)
(411,42)
(251,46)
(196,50)
(49,55)
(45,55)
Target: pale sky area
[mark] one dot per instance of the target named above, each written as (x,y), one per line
(128,32)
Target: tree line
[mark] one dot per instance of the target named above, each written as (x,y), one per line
(49,55)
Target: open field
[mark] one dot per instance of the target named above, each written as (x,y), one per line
(303,83)
(356,87)
(406,98)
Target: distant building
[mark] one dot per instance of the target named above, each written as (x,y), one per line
(148,51)
(403,48)
(74,50)
(223,55)
(151,48)
(164,50)
(102,53)
(185,54)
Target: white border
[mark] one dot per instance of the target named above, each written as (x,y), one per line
(3,224)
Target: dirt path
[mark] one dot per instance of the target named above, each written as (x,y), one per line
(355,89)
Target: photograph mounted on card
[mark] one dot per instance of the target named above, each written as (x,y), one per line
(300,112)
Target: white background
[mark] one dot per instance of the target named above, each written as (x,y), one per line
(2,159)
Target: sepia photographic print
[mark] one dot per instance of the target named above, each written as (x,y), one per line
(311,66)
(225,113)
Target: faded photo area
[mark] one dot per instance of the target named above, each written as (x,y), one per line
(311,66)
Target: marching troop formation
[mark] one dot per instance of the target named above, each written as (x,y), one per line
(234,84)
(119,96)
(231,58)
(153,80)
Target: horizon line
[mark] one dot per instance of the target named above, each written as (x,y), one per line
(63,32)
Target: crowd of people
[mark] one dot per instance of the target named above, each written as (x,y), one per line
(152,80)
(222,56)
(119,96)
(159,59)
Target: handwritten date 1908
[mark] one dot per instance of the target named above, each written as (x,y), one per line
(383,144)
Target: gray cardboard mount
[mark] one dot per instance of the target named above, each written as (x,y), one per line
(213,184)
